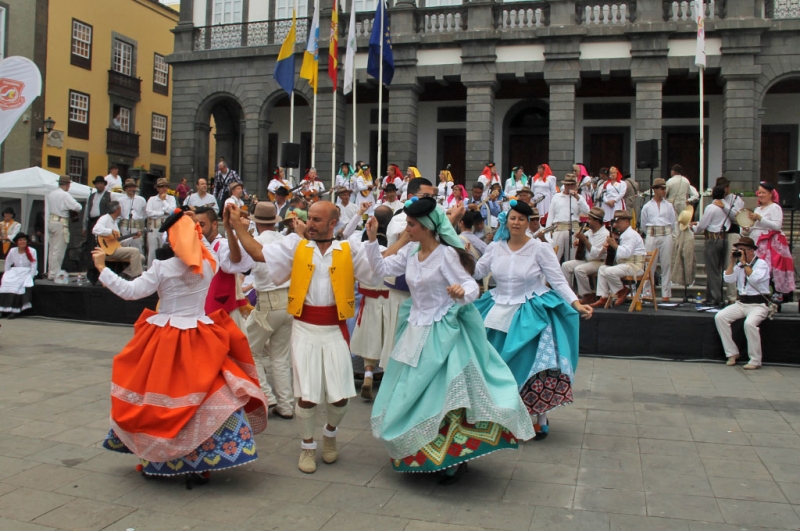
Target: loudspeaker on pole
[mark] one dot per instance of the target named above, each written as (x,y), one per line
(647,154)
(290,155)
(787,188)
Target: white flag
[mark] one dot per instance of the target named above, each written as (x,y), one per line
(700,54)
(350,54)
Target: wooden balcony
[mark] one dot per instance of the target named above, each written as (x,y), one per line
(124,86)
(122,143)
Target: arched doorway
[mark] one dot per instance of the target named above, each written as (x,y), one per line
(274,127)
(218,133)
(526,136)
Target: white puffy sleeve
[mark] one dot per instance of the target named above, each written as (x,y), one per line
(362,269)
(33,264)
(548,262)
(391,266)
(454,272)
(484,265)
(551,180)
(131,290)
(225,263)
(279,257)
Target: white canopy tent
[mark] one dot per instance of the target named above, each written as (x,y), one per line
(33,184)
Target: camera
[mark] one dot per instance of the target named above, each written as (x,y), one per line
(736,254)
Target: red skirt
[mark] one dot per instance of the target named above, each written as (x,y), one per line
(172,389)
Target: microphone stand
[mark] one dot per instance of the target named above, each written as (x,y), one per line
(565,256)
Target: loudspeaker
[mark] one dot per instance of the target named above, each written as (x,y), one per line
(290,155)
(147,185)
(787,188)
(647,154)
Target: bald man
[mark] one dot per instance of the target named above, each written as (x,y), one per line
(322,274)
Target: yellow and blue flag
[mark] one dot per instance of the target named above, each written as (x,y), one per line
(310,68)
(284,68)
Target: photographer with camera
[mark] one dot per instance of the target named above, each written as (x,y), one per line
(751,276)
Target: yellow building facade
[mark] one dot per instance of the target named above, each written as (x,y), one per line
(108,87)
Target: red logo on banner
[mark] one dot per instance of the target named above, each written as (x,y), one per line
(11,94)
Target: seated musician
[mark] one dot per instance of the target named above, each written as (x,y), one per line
(106,227)
(629,259)
(593,241)
(535,229)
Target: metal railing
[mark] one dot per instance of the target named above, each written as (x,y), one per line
(262,33)
(604,13)
(125,86)
(782,9)
(122,143)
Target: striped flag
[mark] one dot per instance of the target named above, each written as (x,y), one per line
(284,68)
(350,54)
(700,54)
(333,52)
(310,68)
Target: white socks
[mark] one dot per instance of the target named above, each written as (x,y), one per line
(308,446)
(367,374)
(327,433)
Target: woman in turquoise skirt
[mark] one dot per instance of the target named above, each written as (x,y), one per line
(446,395)
(535,329)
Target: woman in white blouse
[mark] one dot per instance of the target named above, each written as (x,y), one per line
(544,188)
(613,194)
(772,244)
(445,185)
(443,376)
(16,289)
(535,329)
(208,404)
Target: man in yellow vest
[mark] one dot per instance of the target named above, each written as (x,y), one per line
(322,273)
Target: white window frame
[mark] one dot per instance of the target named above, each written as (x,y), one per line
(227,11)
(81,34)
(123,57)
(283,9)
(159,127)
(161,71)
(78,107)
(125,119)
(3,13)
(71,167)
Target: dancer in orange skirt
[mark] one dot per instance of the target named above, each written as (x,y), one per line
(185,396)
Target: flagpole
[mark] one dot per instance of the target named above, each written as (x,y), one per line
(380,94)
(702,142)
(333,143)
(700,61)
(355,137)
(291,101)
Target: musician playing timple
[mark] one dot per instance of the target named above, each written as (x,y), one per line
(490,207)
(525,194)
(565,211)
(107,226)
(534,226)
(364,186)
(630,255)
(594,240)
(278,181)
(158,208)
(731,204)
(658,220)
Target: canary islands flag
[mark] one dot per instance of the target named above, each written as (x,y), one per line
(284,68)
(310,68)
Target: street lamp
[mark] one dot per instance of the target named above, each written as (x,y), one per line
(48,127)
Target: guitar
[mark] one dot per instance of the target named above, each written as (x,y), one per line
(477,206)
(271,195)
(110,244)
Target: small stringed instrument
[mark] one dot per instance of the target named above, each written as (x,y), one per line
(477,206)
(611,252)
(110,244)
(580,248)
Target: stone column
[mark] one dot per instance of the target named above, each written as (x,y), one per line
(648,121)
(264,171)
(185,29)
(739,117)
(325,137)
(403,103)
(248,154)
(562,126)
(480,127)
(197,150)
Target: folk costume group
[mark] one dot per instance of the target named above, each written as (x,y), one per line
(463,376)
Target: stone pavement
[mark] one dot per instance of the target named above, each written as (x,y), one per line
(647,445)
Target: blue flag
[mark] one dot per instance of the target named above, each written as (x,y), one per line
(373,60)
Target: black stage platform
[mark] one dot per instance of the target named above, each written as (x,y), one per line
(682,333)
(85,302)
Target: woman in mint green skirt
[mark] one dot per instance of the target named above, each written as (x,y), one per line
(535,329)
(446,396)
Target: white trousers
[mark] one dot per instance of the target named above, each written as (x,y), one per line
(753,315)
(561,239)
(664,246)
(269,333)
(581,270)
(58,247)
(136,243)
(153,243)
(609,278)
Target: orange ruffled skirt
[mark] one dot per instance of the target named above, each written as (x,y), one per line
(172,389)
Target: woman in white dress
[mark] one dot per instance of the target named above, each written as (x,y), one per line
(16,289)
(613,194)
(533,327)
(445,185)
(458,195)
(585,183)
(516,181)
(544,187)
(446,396)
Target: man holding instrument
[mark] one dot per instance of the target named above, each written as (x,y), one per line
(108,236)
(565,211)
(593,242)
(629,259)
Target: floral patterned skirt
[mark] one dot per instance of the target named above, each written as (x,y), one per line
(457,442)
(546,390)
(231,445)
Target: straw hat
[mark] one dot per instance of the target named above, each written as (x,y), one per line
(161,182)
(597,213)
(685,217)
(659,183)
(64,179)
(266,212)
(622,214)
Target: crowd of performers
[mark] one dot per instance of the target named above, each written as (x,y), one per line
(464,300)
(463,374)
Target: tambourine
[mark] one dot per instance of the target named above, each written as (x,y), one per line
(743,218)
